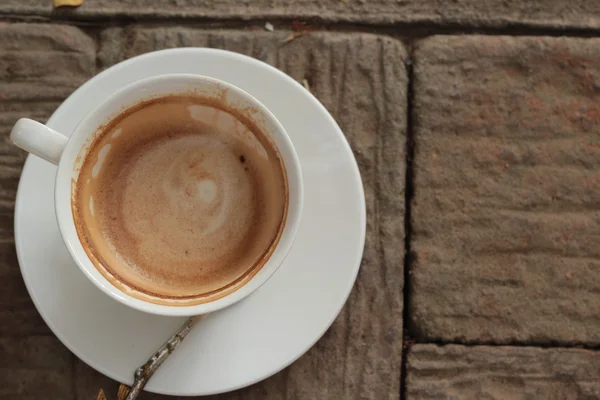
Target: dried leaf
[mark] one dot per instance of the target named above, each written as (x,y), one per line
(298,25)
(290,38)
(299,28)
(123,392)
(296,35)
(101,395)
(305,84)
(67,3)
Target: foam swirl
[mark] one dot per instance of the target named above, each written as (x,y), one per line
(198,203)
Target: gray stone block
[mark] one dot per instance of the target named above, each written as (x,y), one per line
(506,212)
(500,373)
(36,367)
(362,80)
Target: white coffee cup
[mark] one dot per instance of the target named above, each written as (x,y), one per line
(66,151)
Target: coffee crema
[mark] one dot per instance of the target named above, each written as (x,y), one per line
(180,198)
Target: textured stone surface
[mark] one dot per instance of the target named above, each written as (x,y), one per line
(546,13)
(42,64)
(500,373)
(362,80)
(39,66)
(36,367)
(506,212)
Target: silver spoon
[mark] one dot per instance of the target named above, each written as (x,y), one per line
(144,373)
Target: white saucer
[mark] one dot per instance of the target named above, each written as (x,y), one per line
(244,343)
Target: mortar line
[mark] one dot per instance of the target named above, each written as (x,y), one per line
(549,345)
(408,196)
(74,375)
(397,29)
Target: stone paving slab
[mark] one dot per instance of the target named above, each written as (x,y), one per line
(490,13)
(500,373)
(35,367)
(506,212)
(362,80)
(39,66)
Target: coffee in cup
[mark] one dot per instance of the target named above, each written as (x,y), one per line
(180,198)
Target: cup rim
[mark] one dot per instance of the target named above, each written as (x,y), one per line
(63,197)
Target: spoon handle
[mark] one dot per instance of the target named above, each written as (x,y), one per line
(144,373)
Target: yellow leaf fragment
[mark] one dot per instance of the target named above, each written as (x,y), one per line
(101,395)
(123,392)
(67,3)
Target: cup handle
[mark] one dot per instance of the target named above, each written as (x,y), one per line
(38,139)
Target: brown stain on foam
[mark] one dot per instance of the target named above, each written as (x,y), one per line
(246,116)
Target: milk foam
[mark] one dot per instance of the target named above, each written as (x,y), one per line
(172,205)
